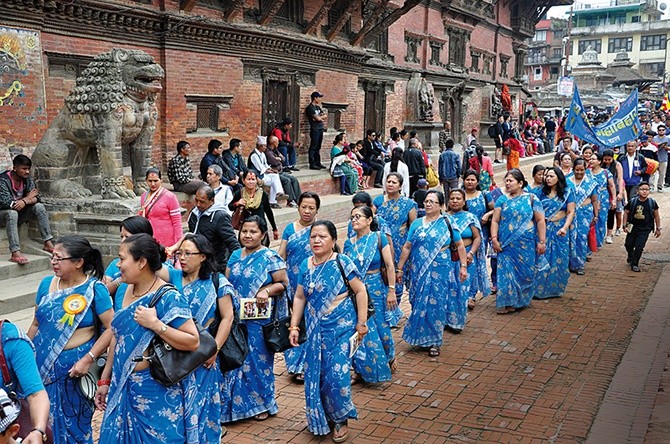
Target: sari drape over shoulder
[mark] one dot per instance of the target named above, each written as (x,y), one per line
(581,224)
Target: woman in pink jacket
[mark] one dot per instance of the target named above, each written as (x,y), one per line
(162,209)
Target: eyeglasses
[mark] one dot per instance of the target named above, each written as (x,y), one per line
(356,217)
(59,259)
(186,254)
(432,202)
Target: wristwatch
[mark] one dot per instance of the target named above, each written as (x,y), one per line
(44,434)
(162,330)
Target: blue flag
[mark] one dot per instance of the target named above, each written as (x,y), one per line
(623,127)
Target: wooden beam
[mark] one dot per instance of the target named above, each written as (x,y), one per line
(273,9)
(187,5)
(387,21)
(318,18)
(346,15)
(369,23)
(234,10)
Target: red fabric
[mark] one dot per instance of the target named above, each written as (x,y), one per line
(593,242)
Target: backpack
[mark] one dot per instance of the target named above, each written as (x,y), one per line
(492,131)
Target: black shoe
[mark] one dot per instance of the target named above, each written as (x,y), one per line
(323,167)
(378,185)
(497,161)
(275,206)
(635,268)
(314,168)
(295,168)
(581,272)
(629,260)
(286,170)
(453,330)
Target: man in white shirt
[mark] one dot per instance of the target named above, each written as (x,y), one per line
(259,162)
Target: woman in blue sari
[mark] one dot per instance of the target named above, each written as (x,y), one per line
(331,321)
(479,203)
(375,359)
(70,308)
(294,249)
(399,212)
(433,277)
(362,198)
(112,279)
(587,203)
(518,235)
(256,272)
(538,176)
(606,194)
(210,298)
(138,409)
(470,230)
(558,202)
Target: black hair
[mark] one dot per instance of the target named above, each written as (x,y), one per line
(213,144)
(208,266)
(247,172)
(397,176)
(460,191)
(474,173)
(449,143)
(137,224)
(332,231)
(368,213)
(403,132)
(480,153)
(144,246)
(439,194)
(362,197)
(310,195)
(369,132)
(180,145)
(518,176)
(153,170)
(561,183)
(338,138)
(359,142)
(644,182)
(395,136)
(259,221)
(78,247)
(209,192)
(393,130)
(234,143)
(396,157)
(22,160)
(608,152)
(412,134)
(579,161)
(538,168)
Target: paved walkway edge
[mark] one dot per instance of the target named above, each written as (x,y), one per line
(626,409)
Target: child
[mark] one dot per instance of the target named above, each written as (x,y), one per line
(419,195)
(641,215)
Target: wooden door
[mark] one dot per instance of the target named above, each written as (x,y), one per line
(276,104)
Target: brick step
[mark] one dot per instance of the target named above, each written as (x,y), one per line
(18,293)
(13,270)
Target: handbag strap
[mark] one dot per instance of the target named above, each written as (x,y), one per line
(6,377)
(452,245)
(159,294)
(344,276)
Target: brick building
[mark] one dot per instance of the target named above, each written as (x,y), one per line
(546,51)
(235,67)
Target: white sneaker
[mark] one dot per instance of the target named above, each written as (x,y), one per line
(608,240)
(660,190)
(617,232)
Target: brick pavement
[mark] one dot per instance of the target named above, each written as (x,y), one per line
(536,376)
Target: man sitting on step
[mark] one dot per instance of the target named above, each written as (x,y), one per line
(19,204)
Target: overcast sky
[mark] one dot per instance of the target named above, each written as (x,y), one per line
(562,11)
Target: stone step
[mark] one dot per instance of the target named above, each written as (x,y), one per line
(21,318)
(12,270)
(19,292)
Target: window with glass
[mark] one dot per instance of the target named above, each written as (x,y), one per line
(540,36)
(653,42)
(619,44)
(595,44)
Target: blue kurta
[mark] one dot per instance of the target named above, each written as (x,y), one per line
(581,224)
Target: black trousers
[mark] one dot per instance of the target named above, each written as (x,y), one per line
(413,183)
(314,152)
(379,169)
(635,242)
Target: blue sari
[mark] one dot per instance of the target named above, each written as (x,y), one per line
(203,387)
(139,409)
(327,378)
(478,279)
(372,358)
(113,272)
(71,413)
(602,180)
(396,214)
(551,283)
(297,250)
(581,224)
(252,386)
(518,259)
(433,280)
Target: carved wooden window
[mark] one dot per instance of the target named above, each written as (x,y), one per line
(335,113)
(435,50)
(381,43)
(474,56)
(67,66)
(487,59)
(204,113)
(413,45)
(291,10)
(334,14)
(457,41)
(504,61)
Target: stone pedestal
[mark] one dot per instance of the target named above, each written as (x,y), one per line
(426,132)
(97,219)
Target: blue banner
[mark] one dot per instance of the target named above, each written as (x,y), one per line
(623,127)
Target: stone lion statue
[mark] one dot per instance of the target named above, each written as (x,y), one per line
(108,120)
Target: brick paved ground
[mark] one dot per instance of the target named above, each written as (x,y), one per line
(536,376)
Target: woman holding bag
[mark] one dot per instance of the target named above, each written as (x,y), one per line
(138,409)
(331,320)
(207,294)
(162,209)
(256,272)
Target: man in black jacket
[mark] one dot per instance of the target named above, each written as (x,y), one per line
(371,154)
(212,221)
(414,160)
(234,160)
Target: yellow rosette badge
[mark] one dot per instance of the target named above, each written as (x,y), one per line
(73,305)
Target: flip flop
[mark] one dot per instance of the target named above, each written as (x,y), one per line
(393,364)
(19,260)
(471,304)
(48,249)
(433,352)
(262,416)
(338,427)
(299,378)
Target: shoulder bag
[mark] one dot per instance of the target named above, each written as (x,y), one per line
(238,217)
(168,365)
(236,348)
(352,295)
(88,384)
(452,245)
(382,264)
(276,333)
(24,419)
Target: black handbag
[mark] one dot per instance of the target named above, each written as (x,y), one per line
(276,332)
(236,348)
(352,295)
(168,365)
(453,249)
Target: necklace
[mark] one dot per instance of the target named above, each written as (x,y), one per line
(359,255)
(71,286)
(313,278)
(148,289)
(425,231)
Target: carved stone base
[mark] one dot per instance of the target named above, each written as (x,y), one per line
(426,132)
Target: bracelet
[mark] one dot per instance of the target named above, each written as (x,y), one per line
(542,242)
(362,324)
(267,290)
(103,382)
(42,432)
(494,237)
(294,328)
(91,355)
(464,266)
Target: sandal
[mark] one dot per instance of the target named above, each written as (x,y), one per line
(433,352)
(337,429)
(21,260)
(393,364)
(471,304)
(356,378)
(262,416)
(299,378)
(505,310)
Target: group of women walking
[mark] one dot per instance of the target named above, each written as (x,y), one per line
(349,300)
